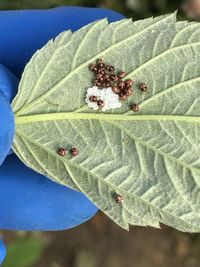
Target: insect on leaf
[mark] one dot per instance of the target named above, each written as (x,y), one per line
(150,158)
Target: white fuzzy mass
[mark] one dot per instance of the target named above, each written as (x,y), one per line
(110,99)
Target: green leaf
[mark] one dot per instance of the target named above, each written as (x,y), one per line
(24,252)
(151,158)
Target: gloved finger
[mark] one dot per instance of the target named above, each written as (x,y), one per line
(23,32)
(2,251)
(6,127)
(8,83)
(8,89)
(30,201)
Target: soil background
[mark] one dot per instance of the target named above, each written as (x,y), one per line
(99,242)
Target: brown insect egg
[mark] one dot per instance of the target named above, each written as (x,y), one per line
(93,98)
(118,198)
(143,87)
(74,151)
(121,74)
(115,89)
(100,103)
(62,151)
(122,97)
(129,82)
(135,107)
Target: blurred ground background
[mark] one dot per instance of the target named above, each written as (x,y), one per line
(100,242)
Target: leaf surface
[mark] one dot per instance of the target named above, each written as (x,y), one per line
(150,158)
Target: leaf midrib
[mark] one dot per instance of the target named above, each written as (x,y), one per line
(104,117)
(132,195)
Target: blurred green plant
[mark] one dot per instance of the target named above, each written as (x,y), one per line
(137,9)
(24,252)
(134,5)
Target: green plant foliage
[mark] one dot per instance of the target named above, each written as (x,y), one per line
(23,252)
(151,158)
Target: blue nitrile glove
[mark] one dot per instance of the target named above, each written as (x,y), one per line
(2,252)
(30,201)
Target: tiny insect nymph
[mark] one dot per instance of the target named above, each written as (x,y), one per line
(118,198)
(135,107)
(114,78)
(96,83)
(110,68)
(62,151)
(93,98)
(115,89)
(128,91)
(143,87)
(121,74)
(100,103)
(74,151)
(129,82)
(121,84)
(93,67)
(122,96)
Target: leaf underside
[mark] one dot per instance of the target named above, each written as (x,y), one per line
(150,158)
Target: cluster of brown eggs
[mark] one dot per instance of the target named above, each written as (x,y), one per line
(62,151)
(106,76)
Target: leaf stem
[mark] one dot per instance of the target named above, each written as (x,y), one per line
(103,117)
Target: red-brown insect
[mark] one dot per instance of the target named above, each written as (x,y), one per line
(93,67)
(100,61)
(143,87)
(62,151)
(121,84)
(114,78)
(107,77)
(101,71)
(110,68)
(135,107)
(93,98)
(96,83)
(129,82)
(128,91)
(100,77)
(107,84)
(121,74)
(118,198)
(100,103)
(122,96)
(74,151)
(115,89)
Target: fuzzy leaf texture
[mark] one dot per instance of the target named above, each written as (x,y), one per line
(151,158)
